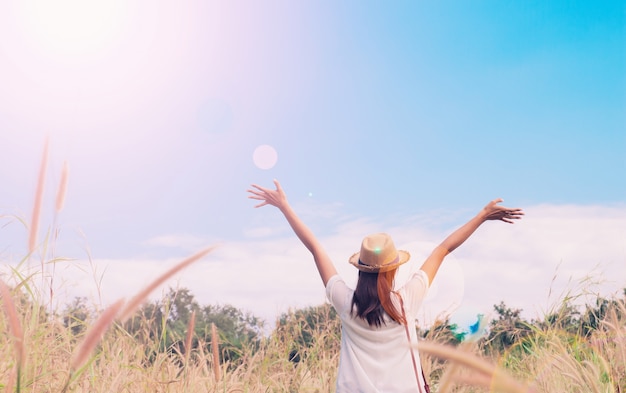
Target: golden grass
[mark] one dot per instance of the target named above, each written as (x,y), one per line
(553,361)
(14,323)
(50,342)
(190,333)
(95,334)
(215,349)
(486,374)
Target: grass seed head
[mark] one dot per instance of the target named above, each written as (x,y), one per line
(62,188)
(34,224)
(95,333)
(139,298)
(14,322)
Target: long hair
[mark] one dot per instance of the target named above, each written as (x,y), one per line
(372,298)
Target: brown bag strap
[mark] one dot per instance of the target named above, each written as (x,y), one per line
(408,337)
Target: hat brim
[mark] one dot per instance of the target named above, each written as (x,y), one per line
(403,257)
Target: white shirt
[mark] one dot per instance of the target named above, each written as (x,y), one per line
(377,359)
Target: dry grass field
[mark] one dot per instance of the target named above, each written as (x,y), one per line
(40,353)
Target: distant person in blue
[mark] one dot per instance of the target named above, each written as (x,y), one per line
(378,323)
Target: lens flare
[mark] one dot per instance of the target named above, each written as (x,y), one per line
(265,157)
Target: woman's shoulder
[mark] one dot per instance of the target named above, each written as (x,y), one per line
(338,293)
(336,284)
(416,284)
(334,279)
(418,277)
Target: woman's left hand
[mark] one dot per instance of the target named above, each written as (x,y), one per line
(493,211)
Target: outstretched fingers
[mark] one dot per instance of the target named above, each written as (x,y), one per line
(495,211)
(255,195)
(259,198)
(258,189)
(260,195)
(512,214)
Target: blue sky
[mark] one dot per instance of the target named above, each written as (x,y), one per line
(404,117)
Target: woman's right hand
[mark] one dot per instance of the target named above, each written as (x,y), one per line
(269,197)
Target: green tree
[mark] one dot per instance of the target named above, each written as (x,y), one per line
(76,315)
(565,318)
(163,325)
(592,317)
(239,331)
(444,332)
(507,330)
(307,331)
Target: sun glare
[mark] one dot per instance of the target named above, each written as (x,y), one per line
(72,26)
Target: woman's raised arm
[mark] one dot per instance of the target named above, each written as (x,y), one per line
(278,199)
(492,211)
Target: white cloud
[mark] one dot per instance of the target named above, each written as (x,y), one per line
(552,249)
(183,241)
(260,232)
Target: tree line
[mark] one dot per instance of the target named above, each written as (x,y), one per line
(162,326)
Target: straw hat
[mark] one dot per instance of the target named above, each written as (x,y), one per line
(378,254)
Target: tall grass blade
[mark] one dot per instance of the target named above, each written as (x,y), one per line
(62,191)
(95,333)
(497,376)
(16,328)
(34,223)
(138,299)
(215,347)
(190,331)
(60,202)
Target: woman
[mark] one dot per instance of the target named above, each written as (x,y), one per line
(377,322)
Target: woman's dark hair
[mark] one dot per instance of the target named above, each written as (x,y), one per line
(372,298)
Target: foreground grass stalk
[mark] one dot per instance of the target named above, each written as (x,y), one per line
(60,202)
(188,341)
(34,223)
(215,347)
(16,330)
(497,376)
(138,299)
(190,330)
(92,338)
(95,333)
(62,190)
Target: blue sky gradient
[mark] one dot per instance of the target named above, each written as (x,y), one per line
(382,115)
